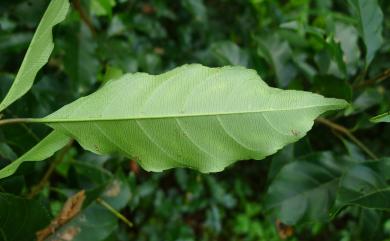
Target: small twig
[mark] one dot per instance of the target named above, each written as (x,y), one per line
(84,17)
(341,129)
(379,78)
(114,211)
(45,179)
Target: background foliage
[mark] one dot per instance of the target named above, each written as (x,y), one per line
(327,186)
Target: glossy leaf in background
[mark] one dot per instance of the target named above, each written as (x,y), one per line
(20,217)
(228,53)
(365,185)
(305,190)
(38,52)
(278,54)
(93,223)
(370,20)
(80,59)
(213,116)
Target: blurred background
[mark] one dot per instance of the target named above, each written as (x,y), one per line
(319,46)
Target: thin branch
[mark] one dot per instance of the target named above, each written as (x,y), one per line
(341,129)
(14,120)
(379,78)
(84,16)
(45,179)
(114,211)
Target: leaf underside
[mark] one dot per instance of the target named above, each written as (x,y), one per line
(193,116)
(44,149)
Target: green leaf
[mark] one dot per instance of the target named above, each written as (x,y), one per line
(38,52)
(7,152)
(117,193)
(347,35)
(368,98)
(193,116)
(279,55)
(93,223)
(102,7)
(80,60)
(385,117)
(305,190)
(229,53)
(112,73)
(365,185)
(20,218)
(332,86)
(370,224)
(197,8)
(370,19)
(335,50)
(44,149)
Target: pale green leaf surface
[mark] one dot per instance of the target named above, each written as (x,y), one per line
(44,149)
(381,118)
(193,116)
(38,52)
(370,20)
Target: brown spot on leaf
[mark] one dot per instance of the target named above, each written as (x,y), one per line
(113,189)
(295,132)
(284,231)
(96,147)
(68,234)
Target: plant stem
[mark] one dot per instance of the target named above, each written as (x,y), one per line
(347,133)
(45,179)
(14,120)
(376,80)
(114,211)
(84,16)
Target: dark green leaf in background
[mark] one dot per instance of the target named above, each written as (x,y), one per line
(305,190)
(80,60)
(365,185)
(278,54)
(20,218)
(369,18)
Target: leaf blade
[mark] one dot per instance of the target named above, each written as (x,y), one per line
(44,149)
(29,215)
(365,185)
(202,110)
(37,53)
(370,19)
(385,117)
(305,189)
